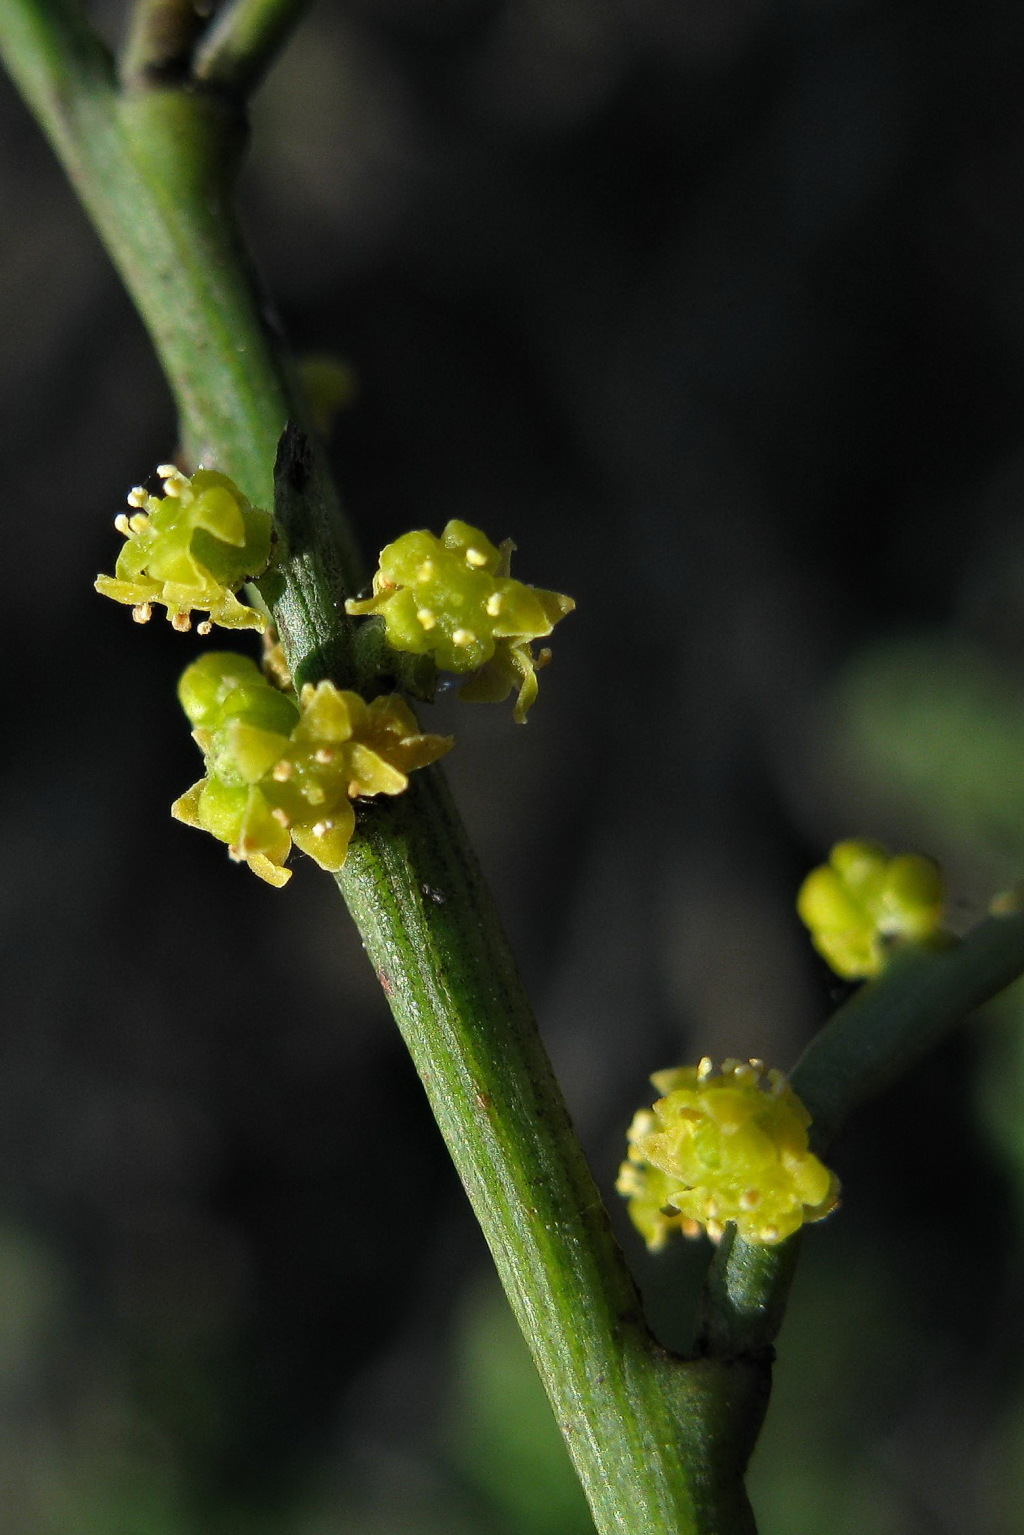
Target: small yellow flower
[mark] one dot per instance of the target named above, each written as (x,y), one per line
(281,772)
(190,550)
(453,598)
(864,901)
(720,1147)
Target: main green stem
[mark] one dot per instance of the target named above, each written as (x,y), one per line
(660,1444)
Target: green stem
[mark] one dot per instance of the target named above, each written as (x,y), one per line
(161,37)
(867,1044)
(243,41)
(660,1443)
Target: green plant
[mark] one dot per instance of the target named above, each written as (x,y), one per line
(660,1442)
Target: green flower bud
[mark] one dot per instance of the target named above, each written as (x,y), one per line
(720,1147)
(281,772)
(453,598)
(864,901)
(190,549)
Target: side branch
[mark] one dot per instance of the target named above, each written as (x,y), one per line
(865,1047)
(243,41)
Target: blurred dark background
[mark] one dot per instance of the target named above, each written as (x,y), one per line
(717,308)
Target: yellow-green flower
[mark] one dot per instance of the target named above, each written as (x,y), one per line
(453,598)
(724,1146)
(281,772)
(190,550)
(864,901)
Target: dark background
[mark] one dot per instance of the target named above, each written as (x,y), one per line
(717,308)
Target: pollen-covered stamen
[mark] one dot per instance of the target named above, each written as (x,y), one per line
(476,557)
(136,496)
(142,612)
(282,771)
(492,607)
(175,483)
(204,628)
(325,755)
(463,637)
(426,618)
(180,622)
(122,524)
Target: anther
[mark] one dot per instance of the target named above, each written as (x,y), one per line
(324,755)
(137,496)
(475,557)
(282,771)
(705,1067)
(281,817)
(425,571)
(122,524)
(206,627)
(142,612)
(463,637)
(322,828)
(180,622)
(313,794)
(493,604)
(426,618)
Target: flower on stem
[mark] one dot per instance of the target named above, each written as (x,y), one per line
(724,1146)
(864,901)
(283,772)
(453,598)
(190,550)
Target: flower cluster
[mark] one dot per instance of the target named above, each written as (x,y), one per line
(453,598)
(864,901)
(281,771)
(724,1146)
(190,549)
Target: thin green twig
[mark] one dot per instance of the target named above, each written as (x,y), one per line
(866,1046)
(243,41)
